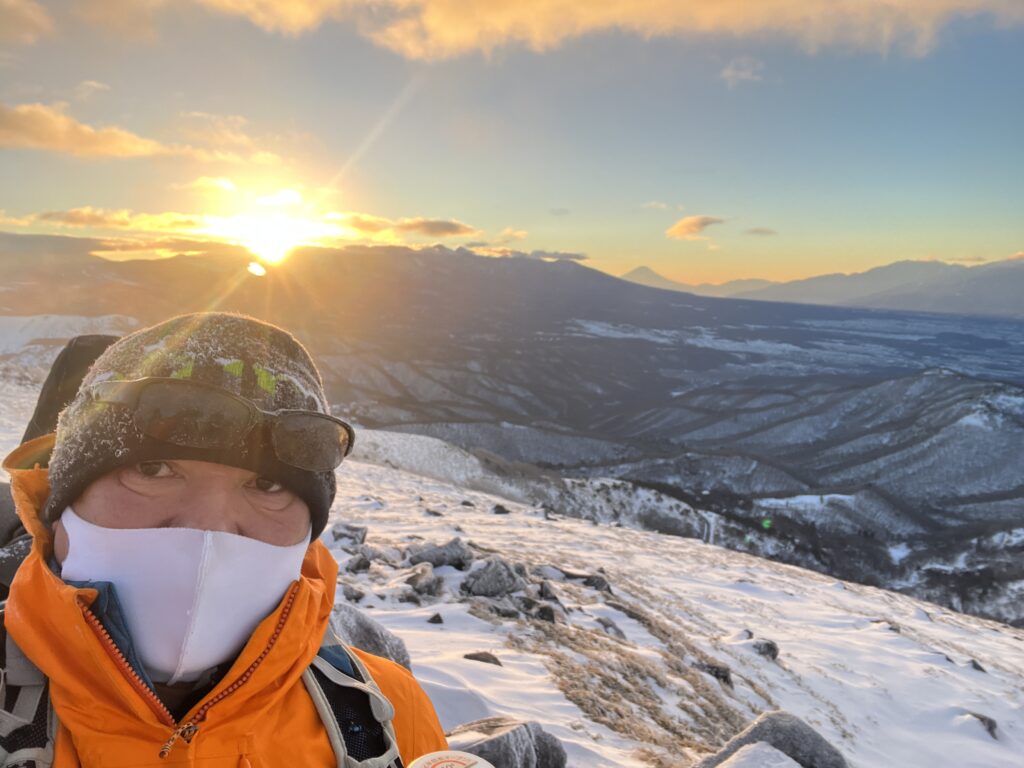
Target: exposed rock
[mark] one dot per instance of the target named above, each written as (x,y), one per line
(547,592)
(746,634)
(355,533)
(767,648)
(760,755)
(484,656)
(455,553)
(357,629)
(467,503)
(977,666)
(990,724)
(547,612)
(495,578)
(352,594)
(611,627)
(717,671)
(433,513)
(500,509)
(509,743)
(358,564)
(424,581)
(502,607)
(409,596)
(378,554)
(598,582)
(786,733)
(437,618)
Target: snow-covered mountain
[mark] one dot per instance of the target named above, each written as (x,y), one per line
(922,286)
(639,649)
(870,445)
(647,276)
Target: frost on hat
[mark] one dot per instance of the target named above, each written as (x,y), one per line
(248,357)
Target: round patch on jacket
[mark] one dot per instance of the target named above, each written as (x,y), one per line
(450,759)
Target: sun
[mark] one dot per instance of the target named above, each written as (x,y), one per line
(272,238)
(271,235)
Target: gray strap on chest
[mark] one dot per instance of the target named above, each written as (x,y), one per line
(28,729)
(382,709)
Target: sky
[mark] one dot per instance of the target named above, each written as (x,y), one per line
(709,140)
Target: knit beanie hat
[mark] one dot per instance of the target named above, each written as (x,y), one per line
(248,357)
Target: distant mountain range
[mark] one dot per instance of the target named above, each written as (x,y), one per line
(921,286)
(880,446)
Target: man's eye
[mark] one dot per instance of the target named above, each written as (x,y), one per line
(267,485)
(153,468)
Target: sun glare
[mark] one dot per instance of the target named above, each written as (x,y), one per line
(273,227)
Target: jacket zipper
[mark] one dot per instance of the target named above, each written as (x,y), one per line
(119,659)
(185,731)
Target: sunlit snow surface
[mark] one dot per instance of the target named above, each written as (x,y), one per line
(865,667)
(884,697)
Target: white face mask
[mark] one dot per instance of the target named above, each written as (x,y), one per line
(191,598)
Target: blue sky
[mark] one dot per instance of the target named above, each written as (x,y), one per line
(776,154)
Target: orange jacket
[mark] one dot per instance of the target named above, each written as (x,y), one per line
(259,715)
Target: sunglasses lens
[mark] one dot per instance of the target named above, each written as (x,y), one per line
(311,442)
(190,416)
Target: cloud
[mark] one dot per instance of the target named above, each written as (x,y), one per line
(135,19)
(761,231)
(48,127)
(227,136)
(42,126)
(440,29)
(1017,256)
(482,249)
(656,205)
(14,221)
(742,69)
(559,211)
(436,227)
(691,227)
(102,218)
(23,21)
(89,88)
(508,234)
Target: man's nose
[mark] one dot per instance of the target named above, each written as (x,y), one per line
(212,505)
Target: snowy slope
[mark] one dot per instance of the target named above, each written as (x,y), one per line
(867,668)
(889,680)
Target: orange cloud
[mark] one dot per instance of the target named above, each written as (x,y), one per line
(48,127)
(23,21)
(438,29)
(691,227)
(436,227)
(101,218)
(42,126)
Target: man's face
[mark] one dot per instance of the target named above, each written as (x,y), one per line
(191,494)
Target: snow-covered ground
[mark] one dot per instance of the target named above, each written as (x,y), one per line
(889,680)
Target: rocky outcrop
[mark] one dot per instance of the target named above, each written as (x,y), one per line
(455,553)
(509,743)
(496,577)
(357,629)
(785,733)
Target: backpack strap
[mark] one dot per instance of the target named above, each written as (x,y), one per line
(357,716)
(28,724)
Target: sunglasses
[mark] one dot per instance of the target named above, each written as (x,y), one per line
(197,415)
